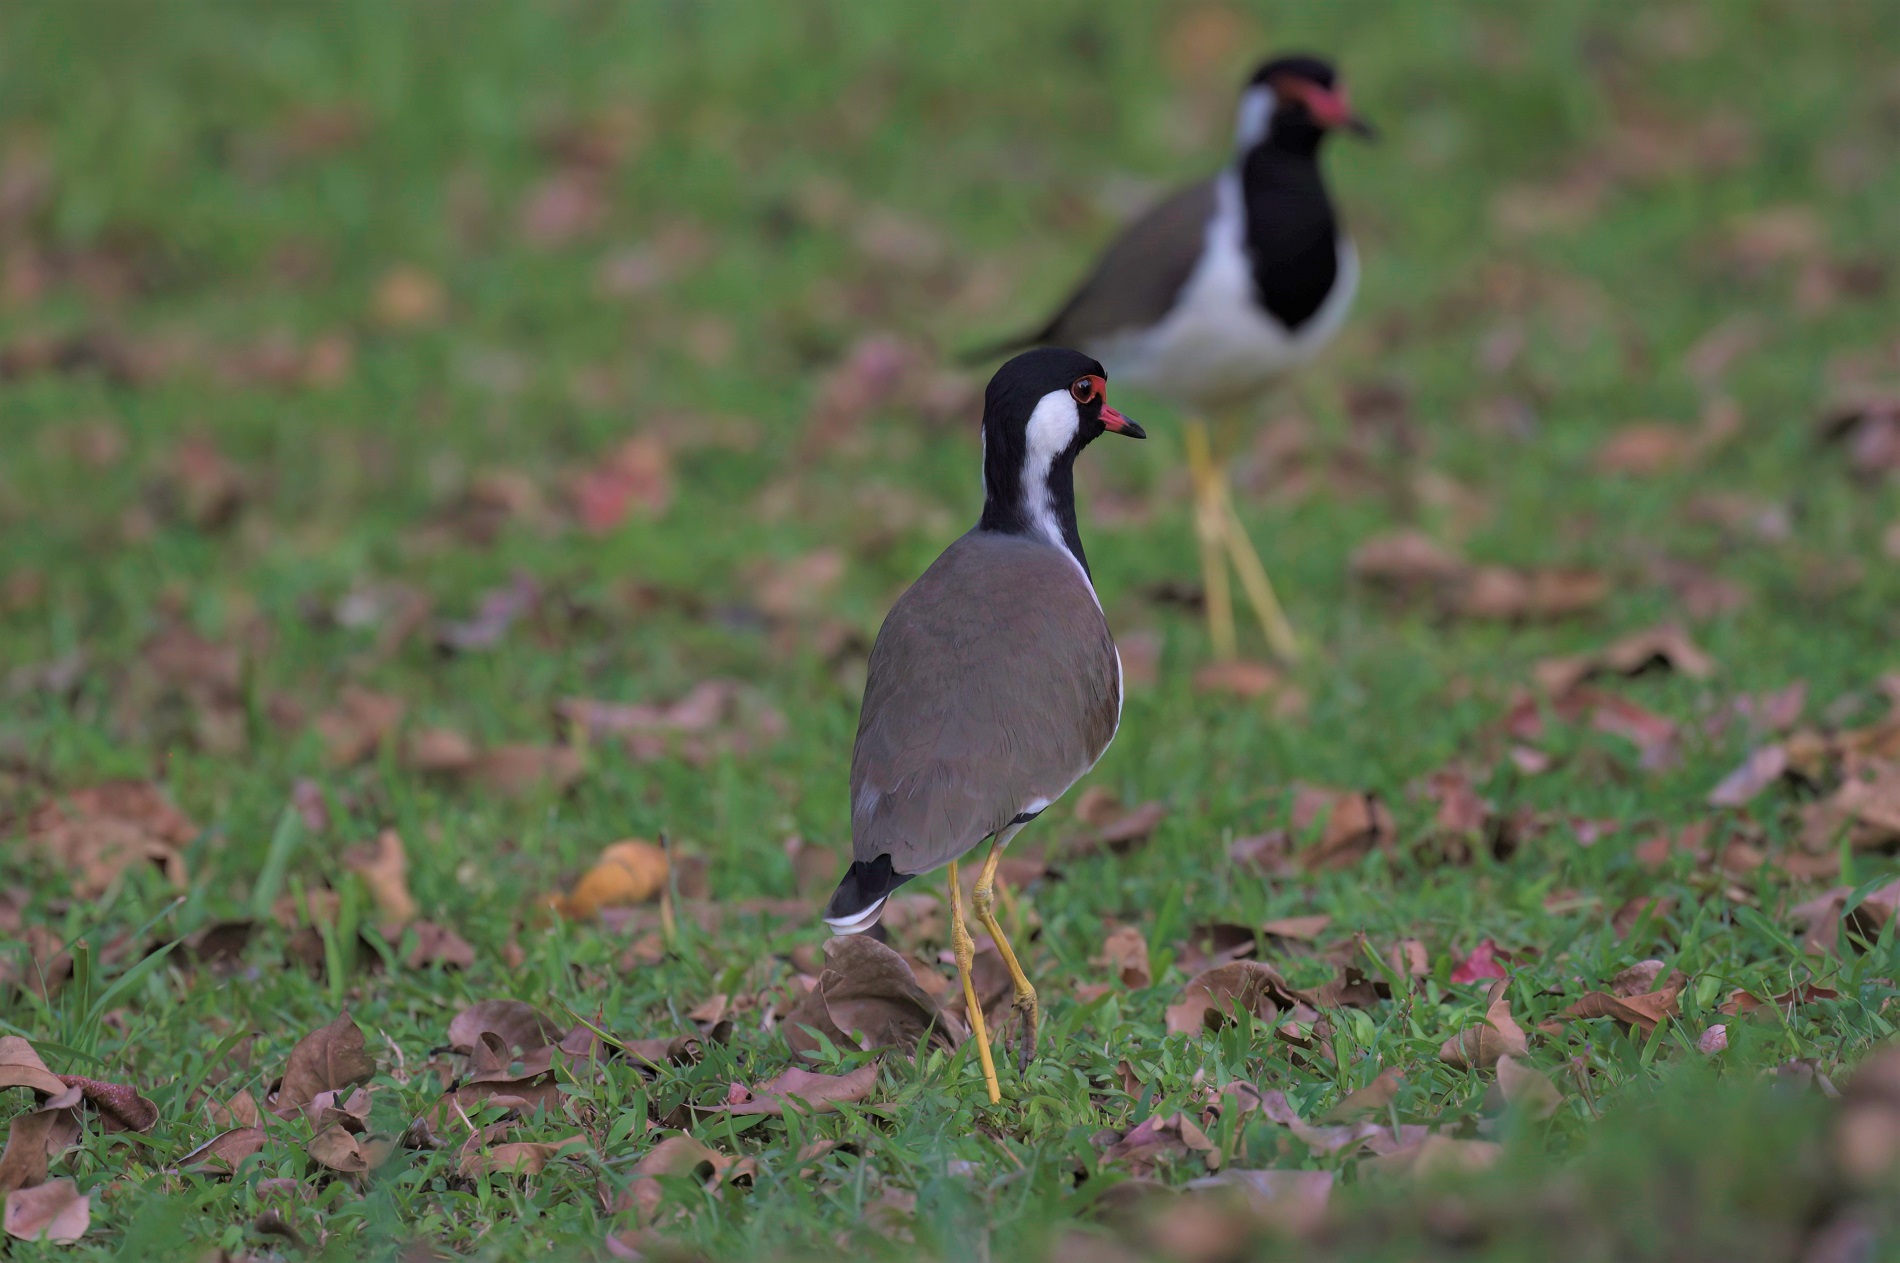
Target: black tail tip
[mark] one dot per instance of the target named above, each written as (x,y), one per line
(865,885)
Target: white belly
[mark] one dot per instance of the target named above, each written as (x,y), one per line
(1218,346)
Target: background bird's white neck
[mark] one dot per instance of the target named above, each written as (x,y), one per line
(1256,115)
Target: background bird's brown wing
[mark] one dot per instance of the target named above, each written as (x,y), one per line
(1140,273)
(993,683)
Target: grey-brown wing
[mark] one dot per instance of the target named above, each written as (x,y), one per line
(1141,272)
(993,684)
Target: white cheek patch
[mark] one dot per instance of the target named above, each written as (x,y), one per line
(1256,113)
(1052,427)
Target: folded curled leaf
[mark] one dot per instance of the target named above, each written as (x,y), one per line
(1497,1036)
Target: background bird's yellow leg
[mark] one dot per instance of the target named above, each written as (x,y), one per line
(1209,526)
(1240,550)
(964,948)
(1025,1003)
(1259,588)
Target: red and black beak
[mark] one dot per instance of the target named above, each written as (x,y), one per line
(1330,108)
(1115,423)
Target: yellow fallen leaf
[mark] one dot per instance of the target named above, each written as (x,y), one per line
(627,872)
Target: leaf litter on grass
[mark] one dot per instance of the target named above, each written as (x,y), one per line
(533,527)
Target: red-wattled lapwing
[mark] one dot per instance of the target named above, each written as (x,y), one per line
(1220,289)
(994,684)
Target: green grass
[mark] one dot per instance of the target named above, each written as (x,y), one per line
(938,176)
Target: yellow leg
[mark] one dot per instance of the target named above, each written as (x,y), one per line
(965,950)
(1209,527)
(1254,581)
(1025,1003)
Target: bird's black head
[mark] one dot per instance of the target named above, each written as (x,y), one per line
(1050,400)
(1291,102)
(1041,409)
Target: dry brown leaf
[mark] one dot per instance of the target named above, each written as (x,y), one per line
(439,945)
(798,587)
(330,1058)
(522,769)
(350,1113)
(675,1155)
(1763,767)
(519,1026)
(867,997)
(1112,827)
(54,1212)
(1125,955)
(1644,977)
(1410,565)
(681,1155)
(1435,1155)
(1666,646)
(1302,929)
(1482,963)
(1379,1137)
(816,1093)
(1373,1099)
(1500,594)
(440,751)
(567,205)
(224,1152)
(98,832)
(1497,1036)
(1407,561)
(873,372)
(1869,426)
(1238,677)
(636,477)
(1212,996)
(1528,1088)
(384,867)
(1215,943)
(21,1067)
(1645,450)
(1158,1141)
(1643,1012)
(627,873)
(355,727)
(716,717)
(1408,958)
(337,1149)
(240,1111)
(1876,909)
(1356,824)
(1262,853)
(1866,1136)
(408,297)
(201,485)
(1293,1201)
(35,1137)
(37,960)
(518,1157)
(118,1105)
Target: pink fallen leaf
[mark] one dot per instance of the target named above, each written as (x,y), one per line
(55,1212)
(1481,963)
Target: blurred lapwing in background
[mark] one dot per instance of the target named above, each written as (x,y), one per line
(1219,290)
(994,684)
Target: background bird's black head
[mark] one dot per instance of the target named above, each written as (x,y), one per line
(1291,102)
(1296,65)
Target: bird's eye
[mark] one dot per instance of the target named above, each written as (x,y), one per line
(1084,390)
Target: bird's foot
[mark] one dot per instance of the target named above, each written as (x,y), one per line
(1028,1012)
